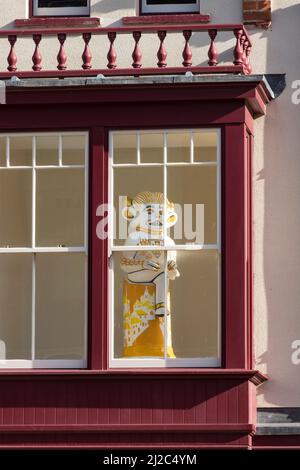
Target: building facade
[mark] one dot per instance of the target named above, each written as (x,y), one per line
(172,127)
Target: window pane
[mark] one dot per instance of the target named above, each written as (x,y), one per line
(20,151)
(60,207)
(2,151)
(152,148)
(62,3)
(73,150)
(134,190)
(15,208)
(60,306)
(47,150)
(194,306)
(193,189)
(125,148)
(179,147)
(139,295)
(205,146)
(15,302)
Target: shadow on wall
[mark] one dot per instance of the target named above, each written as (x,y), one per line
(281,247)
(110,6)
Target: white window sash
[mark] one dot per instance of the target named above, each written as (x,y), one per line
(180,8)
(165,362)
(34,363)
(60,11)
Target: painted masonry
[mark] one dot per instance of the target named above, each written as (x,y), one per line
(97,85)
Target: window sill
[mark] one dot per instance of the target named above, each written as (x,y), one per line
(253,375)
(183,18)
(50,22)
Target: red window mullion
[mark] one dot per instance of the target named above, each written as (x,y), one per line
(98,262)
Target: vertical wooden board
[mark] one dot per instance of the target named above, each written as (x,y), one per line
(233,405)
(211,402)
(223,396)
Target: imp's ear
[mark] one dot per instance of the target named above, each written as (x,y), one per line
(172,219)
(129,212)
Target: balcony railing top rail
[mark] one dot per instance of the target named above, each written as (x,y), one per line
(240,53)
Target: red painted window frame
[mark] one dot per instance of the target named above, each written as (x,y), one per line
(141,13)
(225,106)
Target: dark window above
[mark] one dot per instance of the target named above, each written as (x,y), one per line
(169,6)
(61,7)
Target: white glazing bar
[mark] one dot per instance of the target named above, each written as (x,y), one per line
(33,207)
(165,188)
(7,152)
(62,167)
(111,220)
(33,306)
(60,151)
(192,147)
(135,165)
(165,247)
(33,242)
(159,165)
(86,192)
(86,234)
(111,310)
(166,305)
(219,190)
(42,249)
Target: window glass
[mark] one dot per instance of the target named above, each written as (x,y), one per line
(73,150)
(15,207)
(16,306)
(43,251)
(165,269)
(169,6)
(20,151)
(60,306)
(60,207)
(47,150)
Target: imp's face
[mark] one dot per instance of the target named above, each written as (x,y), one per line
(152,216)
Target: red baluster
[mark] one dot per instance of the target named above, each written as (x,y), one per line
(187,51)
(238,51)
(61,56)
(86,56)
(162,53)
(137,53)
(243,40)
(248,52)
(37,58)
(112,55)
(213,53)
(12,57)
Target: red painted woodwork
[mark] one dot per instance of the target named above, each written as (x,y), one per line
(162,52)
(240,64)
(187,51)
(182,408)
(86,56)
(57,22)
(213,53)
(181,18)
(238,51)
(37,58)
(12,57)
(61,57)
(137,53)
(112,55)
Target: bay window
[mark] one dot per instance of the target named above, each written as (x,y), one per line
(165,248)
(61,7)
(170,6)
(43,250)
